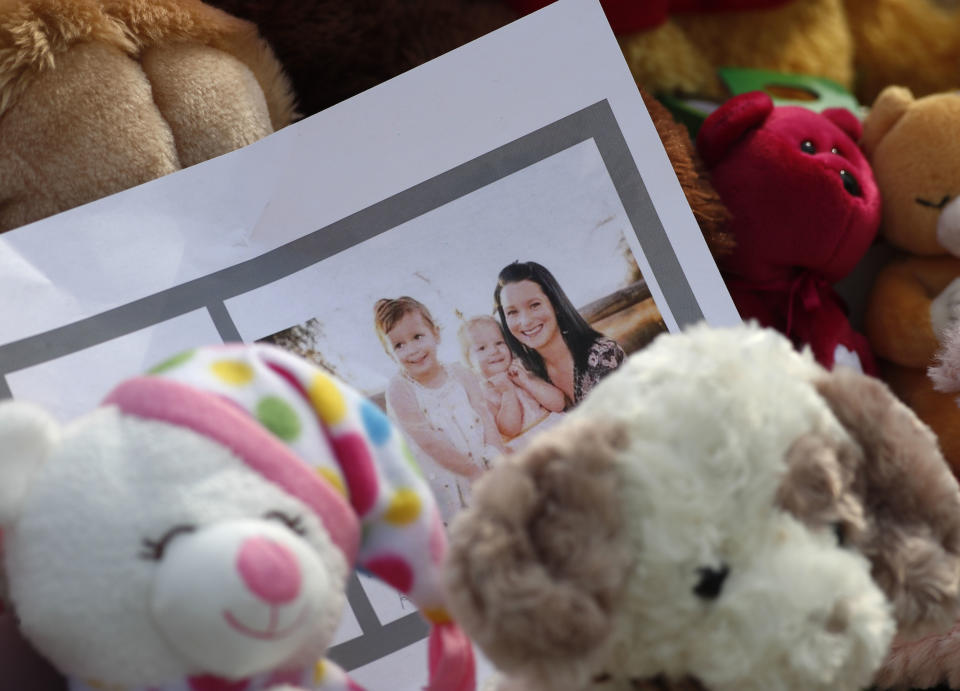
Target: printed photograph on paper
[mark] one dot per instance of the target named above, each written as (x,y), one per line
(480,324)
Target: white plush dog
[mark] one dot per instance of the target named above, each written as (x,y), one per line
(720,513)
(197,530)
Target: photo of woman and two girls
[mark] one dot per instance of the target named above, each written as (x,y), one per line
(533,358)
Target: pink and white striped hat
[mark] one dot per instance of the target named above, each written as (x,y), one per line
(330,447)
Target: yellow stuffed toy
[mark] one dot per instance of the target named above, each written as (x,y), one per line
(863,45)
(676,46)
(100,95)
(911,43)
(913,148)
(682,54)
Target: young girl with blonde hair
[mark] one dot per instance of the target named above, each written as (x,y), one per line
(439,406)
(522,404)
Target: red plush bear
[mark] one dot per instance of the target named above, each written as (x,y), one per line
(805,209)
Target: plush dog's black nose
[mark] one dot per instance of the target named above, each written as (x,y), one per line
(850,183)
(711,581)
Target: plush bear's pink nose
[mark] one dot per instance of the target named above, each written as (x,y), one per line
(269,569)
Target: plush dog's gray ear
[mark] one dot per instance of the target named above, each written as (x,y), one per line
(537,563)
(27,435)
(909,497)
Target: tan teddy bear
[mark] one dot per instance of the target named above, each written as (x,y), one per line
(913,147)
(100,95)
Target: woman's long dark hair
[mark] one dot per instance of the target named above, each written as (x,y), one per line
(576,332)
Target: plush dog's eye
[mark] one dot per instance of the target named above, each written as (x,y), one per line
(840,531)
(295,523)
(711,581)
(153,549)
(808,147)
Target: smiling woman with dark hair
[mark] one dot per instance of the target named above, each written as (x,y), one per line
(546,332)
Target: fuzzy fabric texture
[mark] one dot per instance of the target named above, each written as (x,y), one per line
(676,45)
(805,208)
(100,95)
(333,49)
(803,36)
(203,521)
(913,152)
(946,372)
(681,56)
(94,603)
(911,43)
(685,528)
(931,663)
(711,214)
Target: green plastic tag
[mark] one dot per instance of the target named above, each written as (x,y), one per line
(816,93)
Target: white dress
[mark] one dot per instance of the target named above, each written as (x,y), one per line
(447,408)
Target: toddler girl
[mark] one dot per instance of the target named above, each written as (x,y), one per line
(439,407)
(520,402)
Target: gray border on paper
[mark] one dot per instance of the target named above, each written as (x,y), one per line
(596,122)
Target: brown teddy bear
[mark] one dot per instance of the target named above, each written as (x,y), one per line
(99,95)
(913,148)
(648,542)
(710,212)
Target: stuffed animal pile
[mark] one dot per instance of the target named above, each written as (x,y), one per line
(196,531)
(187,536)
(912,147)
(721,513)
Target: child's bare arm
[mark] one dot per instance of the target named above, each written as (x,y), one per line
(491,434)
(403,403)
(545,393)
(508,413)
(492,398)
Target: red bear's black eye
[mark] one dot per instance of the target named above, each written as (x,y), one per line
(808,147)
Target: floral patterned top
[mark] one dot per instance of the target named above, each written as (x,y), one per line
(604,356)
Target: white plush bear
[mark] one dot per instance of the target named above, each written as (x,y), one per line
(720,514)
(196,531)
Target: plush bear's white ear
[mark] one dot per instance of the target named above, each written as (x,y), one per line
(27,435)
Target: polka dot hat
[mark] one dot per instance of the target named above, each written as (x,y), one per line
(330,447)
